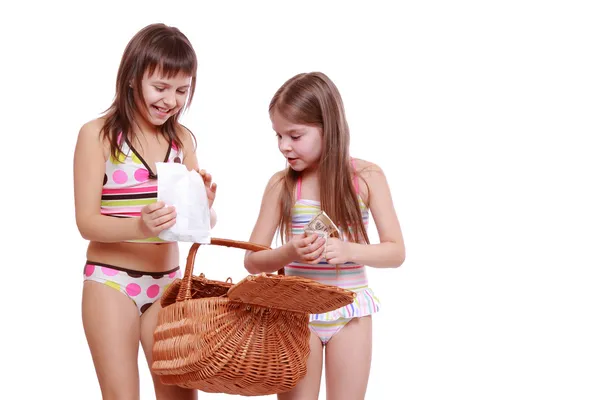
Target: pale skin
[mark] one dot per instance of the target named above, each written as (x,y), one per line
(348,353)
(111,321)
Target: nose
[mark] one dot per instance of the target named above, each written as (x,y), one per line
(170,99)
(285,145)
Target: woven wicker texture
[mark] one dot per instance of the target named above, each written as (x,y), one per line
(201,288)
(248,339)
(291,293)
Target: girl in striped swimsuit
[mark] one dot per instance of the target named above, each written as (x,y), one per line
(128,267)
(308,117)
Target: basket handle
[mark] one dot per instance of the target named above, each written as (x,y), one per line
(185,290)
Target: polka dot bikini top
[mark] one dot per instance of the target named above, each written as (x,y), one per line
(130,184)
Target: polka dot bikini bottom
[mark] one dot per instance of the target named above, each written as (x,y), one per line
(144,288)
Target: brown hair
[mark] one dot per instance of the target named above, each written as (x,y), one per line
(155,46)
(313,99)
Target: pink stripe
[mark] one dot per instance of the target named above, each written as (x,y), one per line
(131,190)
(299,188)
(125,211)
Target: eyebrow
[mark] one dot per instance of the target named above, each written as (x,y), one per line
(166,84)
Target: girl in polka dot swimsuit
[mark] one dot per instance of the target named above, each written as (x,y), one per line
(128,267)
(308,118)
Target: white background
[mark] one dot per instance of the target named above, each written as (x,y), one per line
(481,113)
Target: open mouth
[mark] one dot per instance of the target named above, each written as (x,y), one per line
(162,111)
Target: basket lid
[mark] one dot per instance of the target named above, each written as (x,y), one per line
(290,293)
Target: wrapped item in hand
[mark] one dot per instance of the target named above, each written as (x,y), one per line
(185,191)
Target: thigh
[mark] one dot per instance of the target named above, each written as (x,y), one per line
(163,392)
(348,360)
(308,387)
(112,328)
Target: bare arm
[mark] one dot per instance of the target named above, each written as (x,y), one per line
(190,160)
(390,252)
(88,174)
(264,230)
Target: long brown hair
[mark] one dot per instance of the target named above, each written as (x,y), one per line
(155,46)
(313,99)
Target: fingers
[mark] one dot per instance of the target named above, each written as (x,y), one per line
(317,246)
(153,207)
(158,217)
(331,253)
(160,211)
(156,225)
(315,256)
(207,178)
(166,221)
(309,239)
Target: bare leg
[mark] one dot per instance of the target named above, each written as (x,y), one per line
(348,360)
(111,324)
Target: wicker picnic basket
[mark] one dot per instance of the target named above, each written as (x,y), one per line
(250,339)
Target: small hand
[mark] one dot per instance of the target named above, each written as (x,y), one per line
(211,188)
(337,251)
(307,248)
(155,218)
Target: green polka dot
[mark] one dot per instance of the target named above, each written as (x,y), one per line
(119,160)
(113,285)
(136,159)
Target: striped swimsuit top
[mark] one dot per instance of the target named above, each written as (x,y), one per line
(350,276)
(130,184)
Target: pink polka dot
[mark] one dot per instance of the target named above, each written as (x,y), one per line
(133,289)
(172,274)
(119,176)
(174,147)
(109,271)
(141,175)
(152,291)
(89,269)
